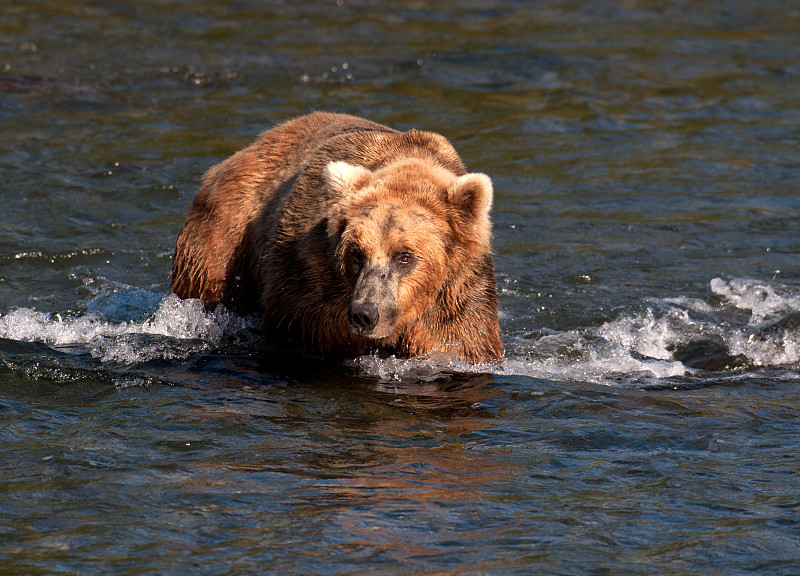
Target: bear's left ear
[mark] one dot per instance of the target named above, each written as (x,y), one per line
(342,178)
(471,195)
(343,181)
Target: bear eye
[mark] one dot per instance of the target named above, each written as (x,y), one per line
(357,257)
(405,257)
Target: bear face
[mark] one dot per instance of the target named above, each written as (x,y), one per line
(400,234)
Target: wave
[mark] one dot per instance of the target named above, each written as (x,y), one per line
(742,325)
(123,327)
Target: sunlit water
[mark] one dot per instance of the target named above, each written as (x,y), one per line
(644,419)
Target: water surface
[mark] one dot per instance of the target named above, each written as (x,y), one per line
(644,419)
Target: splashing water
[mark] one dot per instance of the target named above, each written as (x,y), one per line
(772,335)
(767,303)
(668,338)
(175,330)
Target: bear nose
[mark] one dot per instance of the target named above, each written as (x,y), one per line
(364,317)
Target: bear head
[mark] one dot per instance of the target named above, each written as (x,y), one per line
(400,235)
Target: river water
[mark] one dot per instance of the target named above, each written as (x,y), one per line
(646,416)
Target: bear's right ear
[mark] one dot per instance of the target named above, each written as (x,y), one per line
(342,178)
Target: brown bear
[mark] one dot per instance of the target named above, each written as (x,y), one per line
(350,236)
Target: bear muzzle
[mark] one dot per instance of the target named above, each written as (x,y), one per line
(373,308)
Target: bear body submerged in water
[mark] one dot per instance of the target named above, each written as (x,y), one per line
(349,236)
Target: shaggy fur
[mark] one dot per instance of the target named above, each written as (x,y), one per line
(350,236)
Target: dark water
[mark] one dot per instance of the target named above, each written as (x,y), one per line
(646,418)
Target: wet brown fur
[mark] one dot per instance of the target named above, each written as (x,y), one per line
(272,231)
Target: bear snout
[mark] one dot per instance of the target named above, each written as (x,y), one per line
(373,307)
(364,317)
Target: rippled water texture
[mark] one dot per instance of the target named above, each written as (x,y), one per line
(647,230)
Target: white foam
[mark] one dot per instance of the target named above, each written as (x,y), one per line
(176,320)
(637,348)
(131,326)
(767,302)
(423,368)
(766,342)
